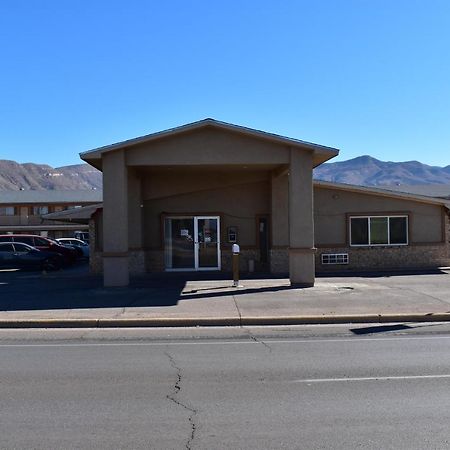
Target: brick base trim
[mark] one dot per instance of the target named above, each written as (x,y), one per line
(376,258)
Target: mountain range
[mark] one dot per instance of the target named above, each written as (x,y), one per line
(368,171)
(30,176)
(363,170)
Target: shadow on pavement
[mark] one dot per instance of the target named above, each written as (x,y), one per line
(379,329)
(75,288)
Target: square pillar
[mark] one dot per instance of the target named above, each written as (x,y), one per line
(279,260)
(115,220)
(301,219)
(136,254)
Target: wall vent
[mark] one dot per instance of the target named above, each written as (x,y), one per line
(334,258)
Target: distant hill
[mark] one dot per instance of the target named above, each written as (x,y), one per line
(15,176)
(368,171)
(363,170)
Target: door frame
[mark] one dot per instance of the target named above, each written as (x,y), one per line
(196,267)
(197,244)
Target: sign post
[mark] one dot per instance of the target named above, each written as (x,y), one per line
(236,250)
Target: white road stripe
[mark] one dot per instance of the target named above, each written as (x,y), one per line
(236,342)
(394,378)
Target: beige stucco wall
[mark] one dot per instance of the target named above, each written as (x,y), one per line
(331,207)
(280,211)
(207,146)
(237,198)
(134,210)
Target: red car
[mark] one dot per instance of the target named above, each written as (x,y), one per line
(41,243)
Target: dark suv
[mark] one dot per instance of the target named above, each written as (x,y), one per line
(41,243)
(16,255)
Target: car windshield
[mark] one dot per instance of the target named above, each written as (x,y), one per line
(40,241)
(55,242)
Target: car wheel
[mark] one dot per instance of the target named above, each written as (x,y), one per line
(51,264)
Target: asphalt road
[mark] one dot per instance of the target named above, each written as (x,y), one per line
(287,387)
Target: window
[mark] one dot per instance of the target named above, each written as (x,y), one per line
(39,242)
(25,240)
(21,248)
(7,211)
(378,230)
(39,210)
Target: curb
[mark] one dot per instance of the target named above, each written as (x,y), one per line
(223,321)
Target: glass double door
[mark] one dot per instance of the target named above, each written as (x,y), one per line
(192,243)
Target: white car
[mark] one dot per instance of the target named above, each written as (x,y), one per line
(75,243)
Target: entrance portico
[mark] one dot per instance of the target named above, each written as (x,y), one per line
(173,199)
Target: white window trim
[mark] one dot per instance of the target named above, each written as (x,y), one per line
(334,259)
(393,216)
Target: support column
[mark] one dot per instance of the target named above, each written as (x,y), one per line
(136,254)
(279,259)
(115,220)
(301,219)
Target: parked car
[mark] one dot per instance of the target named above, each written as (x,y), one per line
(77,243)
(77,250)
(82,236)
(16,255)
(41,243)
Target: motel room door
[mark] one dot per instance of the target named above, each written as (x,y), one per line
(192,243)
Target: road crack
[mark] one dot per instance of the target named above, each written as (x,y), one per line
(254,338)
(250,334)
(173,398)
(238,310)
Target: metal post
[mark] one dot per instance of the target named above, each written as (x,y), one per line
(235,250)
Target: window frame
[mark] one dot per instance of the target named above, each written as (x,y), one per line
(36,210)
(5,211)
(375,216)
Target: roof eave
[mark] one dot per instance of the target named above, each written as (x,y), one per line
(94,156)
(321,156)
(381,192)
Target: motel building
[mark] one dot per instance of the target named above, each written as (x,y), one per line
(177,200)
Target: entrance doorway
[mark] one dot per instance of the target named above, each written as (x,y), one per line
(192,243)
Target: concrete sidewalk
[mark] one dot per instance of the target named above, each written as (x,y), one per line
(76,299)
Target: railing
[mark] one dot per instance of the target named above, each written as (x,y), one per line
(11,220)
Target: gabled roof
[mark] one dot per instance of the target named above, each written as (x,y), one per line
(381,192)
(77,215)
(45,197)
(93,157)
(427,190)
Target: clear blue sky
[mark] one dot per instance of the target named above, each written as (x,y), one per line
(368,77)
